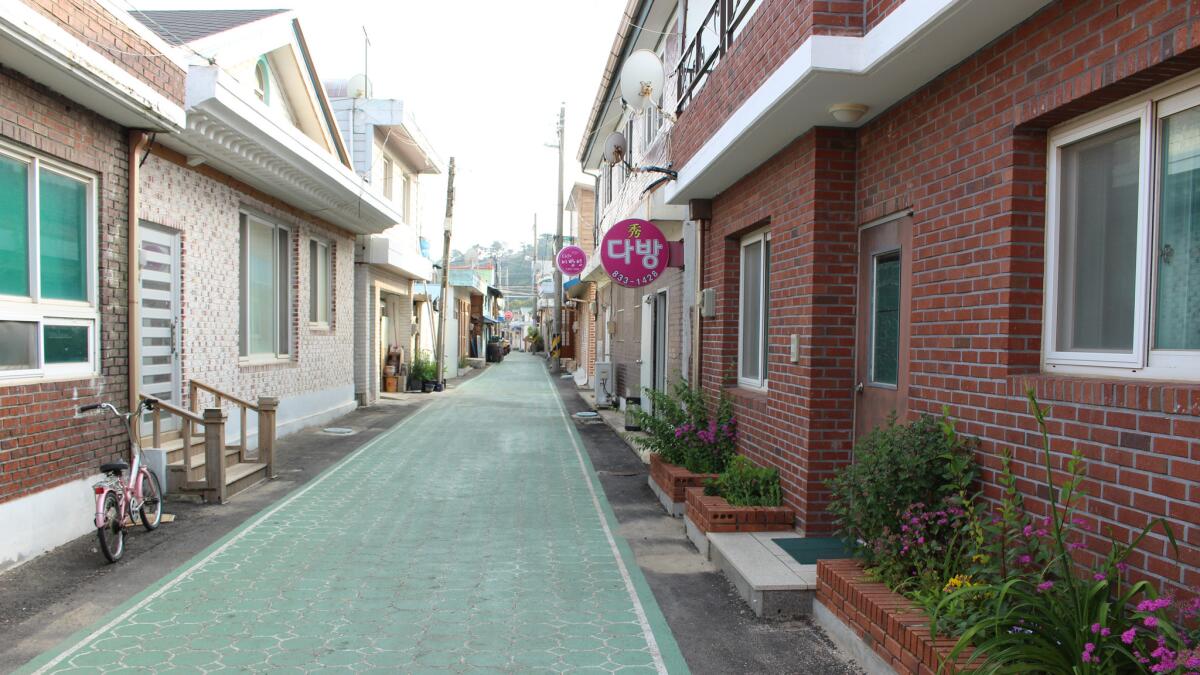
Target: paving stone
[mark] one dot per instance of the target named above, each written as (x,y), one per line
(466,538)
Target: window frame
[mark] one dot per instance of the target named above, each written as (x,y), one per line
(41,311)
(281,295)
(315,244)
(264,93)
(1151,108)
(764,287)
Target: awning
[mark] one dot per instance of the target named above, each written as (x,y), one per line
(488,319)
(578,290)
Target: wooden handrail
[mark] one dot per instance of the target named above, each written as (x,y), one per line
(185,414)
(223,396)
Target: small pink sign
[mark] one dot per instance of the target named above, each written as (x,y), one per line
(571,260)
(634,252)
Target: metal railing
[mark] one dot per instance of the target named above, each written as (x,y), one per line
(717,31)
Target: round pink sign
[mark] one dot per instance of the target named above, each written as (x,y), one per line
(571,260)
(634,252)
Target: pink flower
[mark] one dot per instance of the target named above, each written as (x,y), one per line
(1099,576)
(1128,636)
(1150,622)
(1095,628)
(1045,586)
(1025,559)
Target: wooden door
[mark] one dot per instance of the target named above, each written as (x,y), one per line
(884,305)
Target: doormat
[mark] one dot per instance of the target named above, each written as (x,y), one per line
(808,550)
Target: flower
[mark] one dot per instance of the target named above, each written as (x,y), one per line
(1045,586)
(1096,628)
(1024,559)
(1128,636)
(1150,622)
(956,582)
(1153,605)
(1099,576)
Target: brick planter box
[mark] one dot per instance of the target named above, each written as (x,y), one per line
(670,483)
(714,514)
(885,624)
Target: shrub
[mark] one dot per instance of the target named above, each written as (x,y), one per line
(896,467)
(423,368)
(682,431)
(1045,614)
(744,484)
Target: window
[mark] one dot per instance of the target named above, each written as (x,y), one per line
(266,283)
(388,176)
(885,319)
(262,80)
(48,309)
(1123,240)
(753,309)
(320,271)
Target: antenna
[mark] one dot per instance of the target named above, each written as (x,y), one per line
(616,148)
(642,80)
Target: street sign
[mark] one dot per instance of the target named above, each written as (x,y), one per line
(571,260)
(508,315)
(634,252)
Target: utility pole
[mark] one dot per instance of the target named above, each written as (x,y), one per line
(445,296)
(556,361)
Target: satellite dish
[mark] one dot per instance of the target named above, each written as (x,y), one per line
(616,148)
(359,87)
(642,79)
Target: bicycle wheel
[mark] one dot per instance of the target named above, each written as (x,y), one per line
(151,509)
(112,535)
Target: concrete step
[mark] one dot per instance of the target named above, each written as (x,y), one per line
(765,576)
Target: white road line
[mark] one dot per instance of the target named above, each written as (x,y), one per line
(208,558)
(652,643)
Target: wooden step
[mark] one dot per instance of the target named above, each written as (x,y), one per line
(238,478)
(199,460)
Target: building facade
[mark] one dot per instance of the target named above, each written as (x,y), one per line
(912,206)
(70,141)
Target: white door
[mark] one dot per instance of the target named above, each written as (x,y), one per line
(660,340)
(646,360)
(159,264)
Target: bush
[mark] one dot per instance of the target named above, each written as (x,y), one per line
(424,369)
(682,432)
(896,467)
(744,484)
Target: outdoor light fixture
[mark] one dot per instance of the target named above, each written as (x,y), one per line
(848,113)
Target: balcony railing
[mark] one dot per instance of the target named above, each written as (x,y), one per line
(720,26)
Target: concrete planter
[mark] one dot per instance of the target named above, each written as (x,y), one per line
(884,631)
(714,514)
(670,484)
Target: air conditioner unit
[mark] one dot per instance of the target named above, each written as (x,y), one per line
(606,384)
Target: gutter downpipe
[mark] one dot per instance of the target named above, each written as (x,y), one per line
(137,143)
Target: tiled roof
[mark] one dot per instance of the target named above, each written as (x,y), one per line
(179,27)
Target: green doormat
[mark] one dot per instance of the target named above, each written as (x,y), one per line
(808,550)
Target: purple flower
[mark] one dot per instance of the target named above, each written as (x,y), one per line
(1153,605)
(1096,628)
(1028,531)
(1099,576)
(1024,559)
(1150,622)
(1045,586)
(1128,636)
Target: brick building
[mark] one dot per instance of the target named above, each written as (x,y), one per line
(70,140)
(642,330)
(250,218)
(579,314)
(908,205)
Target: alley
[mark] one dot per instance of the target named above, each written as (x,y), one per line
(473,536)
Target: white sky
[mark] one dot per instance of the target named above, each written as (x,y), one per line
(484,79)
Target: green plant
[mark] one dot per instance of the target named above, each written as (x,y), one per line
(424,368)
(682,430)
(1045,614)
(744,484)
(895,467)
(462,361)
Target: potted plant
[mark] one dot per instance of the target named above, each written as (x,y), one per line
(688,446)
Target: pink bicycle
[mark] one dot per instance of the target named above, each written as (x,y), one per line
(115,500)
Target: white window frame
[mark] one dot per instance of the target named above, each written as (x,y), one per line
(48,311)
(316,245)
(764,287)
(1143,362)
(285,294)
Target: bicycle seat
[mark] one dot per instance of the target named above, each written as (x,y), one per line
(114,467)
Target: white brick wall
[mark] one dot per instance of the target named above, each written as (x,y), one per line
(206,213)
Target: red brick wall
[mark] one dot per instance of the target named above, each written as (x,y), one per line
(806,196)
(43,442)
(90,22)
(967,154)
(875,11)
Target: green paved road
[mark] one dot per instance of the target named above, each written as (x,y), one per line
(472,537)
